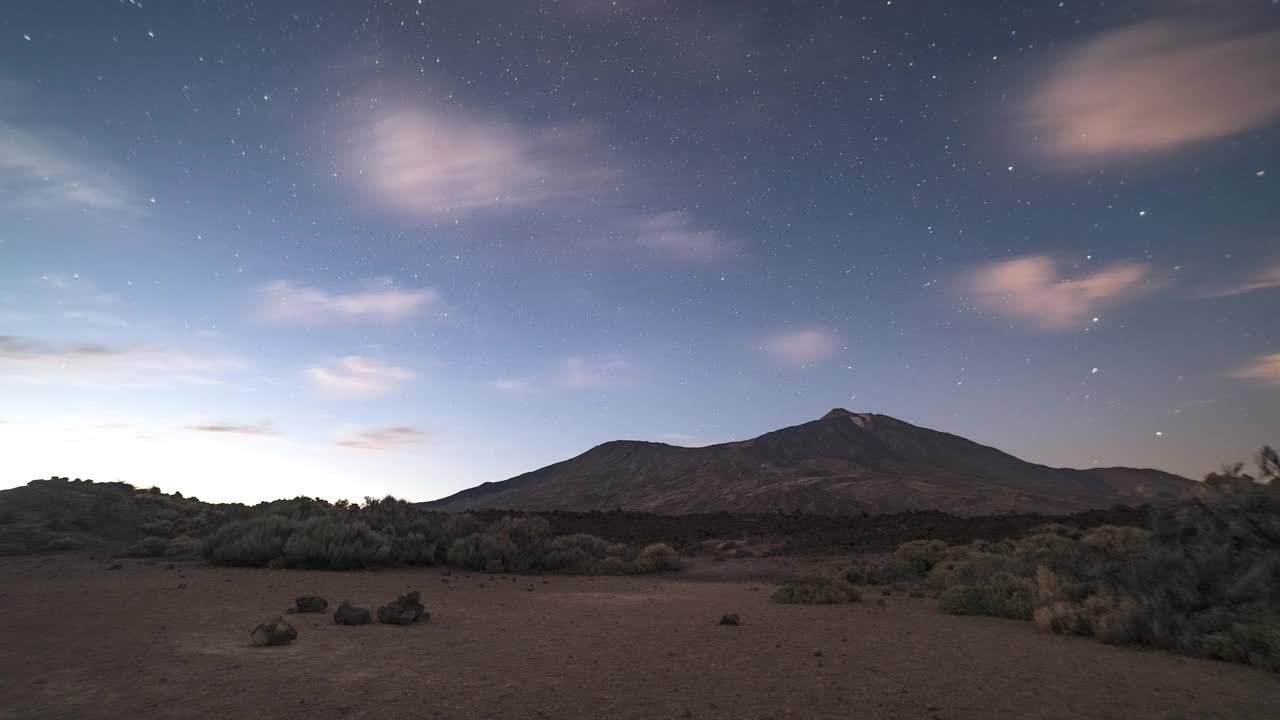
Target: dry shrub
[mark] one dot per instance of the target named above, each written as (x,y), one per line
(816,590)
(1002,595)
(658,558)
(922,554)
(887,571)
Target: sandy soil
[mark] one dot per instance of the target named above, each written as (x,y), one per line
(79,641)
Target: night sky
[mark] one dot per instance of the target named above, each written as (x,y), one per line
(260,249)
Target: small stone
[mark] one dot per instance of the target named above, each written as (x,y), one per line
(730,619)
(406,610)
(275,632)
(117,566)
(309,604)
(348,614)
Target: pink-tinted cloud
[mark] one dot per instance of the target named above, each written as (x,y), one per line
(282,301)
(95,363)
(674,235)
(1029,289)
(265,427)
(1267,278)
(358,377)
(383,439)
(592,371)
(1155,86)
(1264,369)
(802,348)
(449,163)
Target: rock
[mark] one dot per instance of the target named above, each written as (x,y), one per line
(275,632)
(730,619)
(309,604)
(347,614)
(182,586)
(406,610)
(117,566)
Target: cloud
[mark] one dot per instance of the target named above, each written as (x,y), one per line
(383,439)
(28,359)
(282,301)
(1264,369)
(683,439)
(1265,279)
(358,377)
(264,427)
(451,163)
(802,347)
(1155,86)
(592,371)
(1029,289)
(673,234)
(38,171)
(516,385)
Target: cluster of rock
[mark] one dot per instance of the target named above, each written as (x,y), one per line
(404,610)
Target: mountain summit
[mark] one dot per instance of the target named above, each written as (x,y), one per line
(844,462)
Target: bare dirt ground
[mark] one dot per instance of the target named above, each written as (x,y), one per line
(79,641)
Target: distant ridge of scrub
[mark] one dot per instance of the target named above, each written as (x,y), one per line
(390,532)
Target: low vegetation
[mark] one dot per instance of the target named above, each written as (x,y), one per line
(816,590)
(1203,581)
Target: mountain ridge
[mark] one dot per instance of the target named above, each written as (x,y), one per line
(843,462)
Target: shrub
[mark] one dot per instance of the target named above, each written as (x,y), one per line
(63,544)
(579,553)
(148,547)
(657,558)
(254,542)
(888,571)
(1003,595)
(184,546)
(161,528)
(976,568)
(1205,582)
(1109,538)
(488,552)
(336,545)
(816,590)
(922,554)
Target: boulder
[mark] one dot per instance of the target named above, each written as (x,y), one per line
(274,632)
(406,610)
(730,619)
(309,604)
(348,614)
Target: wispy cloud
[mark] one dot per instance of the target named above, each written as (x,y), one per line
(1155,86)
(579,371)
(38,171)
(27,359)
(683,439)
(516,385)
(1029,289)
(264,427)
(383,439)
(675,235)
(1264,369)
(438,163)
(801,348)
(382,300)
(1265,279)
(359,378)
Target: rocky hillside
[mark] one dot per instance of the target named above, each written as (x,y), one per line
(842,463)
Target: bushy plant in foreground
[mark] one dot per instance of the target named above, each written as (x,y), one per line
(1000,595)
(816,590)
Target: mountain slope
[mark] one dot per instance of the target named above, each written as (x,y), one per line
(842,463)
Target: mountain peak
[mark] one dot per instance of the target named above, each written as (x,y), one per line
(841,413)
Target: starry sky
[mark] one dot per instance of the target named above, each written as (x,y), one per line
(252,250)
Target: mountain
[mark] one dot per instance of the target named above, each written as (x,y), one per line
(842,463)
